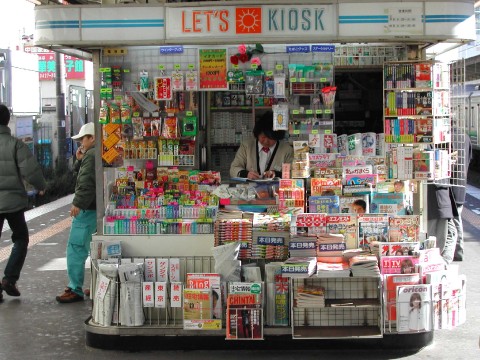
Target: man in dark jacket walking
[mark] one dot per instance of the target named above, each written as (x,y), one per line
(17,164)
(462,144)
(84,214)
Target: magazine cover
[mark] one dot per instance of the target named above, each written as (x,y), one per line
(399,264)
(398,248)
(372,227)
(207,281)
(346,203)
(324,204)
(361,179)
(197,304)
(282,303)
(414,308)
(388,203)
(244,311)
(345,224)
(390,284)
(325,186)
(404,228)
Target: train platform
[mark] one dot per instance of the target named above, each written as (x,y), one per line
(35,326)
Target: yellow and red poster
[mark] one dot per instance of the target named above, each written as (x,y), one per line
(213,69)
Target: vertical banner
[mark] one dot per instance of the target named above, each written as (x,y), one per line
(213,69)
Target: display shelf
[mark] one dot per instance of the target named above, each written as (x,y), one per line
(352,308)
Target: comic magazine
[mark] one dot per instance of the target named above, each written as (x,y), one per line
(404,228)
(324,204)
(325,186)
(371,228)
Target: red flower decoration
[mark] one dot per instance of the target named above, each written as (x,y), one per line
(243,58)
(234,59)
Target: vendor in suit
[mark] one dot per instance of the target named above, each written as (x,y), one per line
(262,156)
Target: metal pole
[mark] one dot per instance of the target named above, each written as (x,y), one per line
(61,162)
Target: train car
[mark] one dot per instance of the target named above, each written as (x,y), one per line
(465,107)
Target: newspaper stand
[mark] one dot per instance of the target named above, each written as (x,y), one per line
(353,305)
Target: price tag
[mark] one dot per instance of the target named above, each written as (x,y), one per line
(189,113)
(136,114)
(269,73)
(328,111)
(309,112)
(293,79)
(318,111)
(279,67)
(177,66)
(235,66)
(323,79)
(303,79)
(161,67)
(254,66)
(191,66)
(315,131)
(296,132)
(295,112)
(126,70)
(105,70)
(328,132)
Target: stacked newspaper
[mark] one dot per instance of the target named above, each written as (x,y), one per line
(302,246)
(333,270)
(364,266)
(299,267)
(310,297)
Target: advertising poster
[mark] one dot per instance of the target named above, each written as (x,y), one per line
(213,69)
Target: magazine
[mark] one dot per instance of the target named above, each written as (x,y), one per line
(325,186)
(399,264)
(244,311)
(390,284)
(404,228)
(346,203)
(388,203)
(371,228)
(207,281)
(398,248)
(197,304)
(345,224)
(324,204)
(414,308)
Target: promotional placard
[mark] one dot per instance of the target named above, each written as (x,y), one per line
(213,69)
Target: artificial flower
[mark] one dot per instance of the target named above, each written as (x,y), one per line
(234,59)
(242,49)
(243,58)
(256,60)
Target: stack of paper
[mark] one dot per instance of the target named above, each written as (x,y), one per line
(311,296)
(299,267)
(302,246)
(364,266)
(333,270)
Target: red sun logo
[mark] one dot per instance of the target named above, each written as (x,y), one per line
(248,20)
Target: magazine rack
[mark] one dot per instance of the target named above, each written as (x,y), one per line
(353,308)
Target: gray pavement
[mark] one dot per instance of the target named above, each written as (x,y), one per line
(35,326)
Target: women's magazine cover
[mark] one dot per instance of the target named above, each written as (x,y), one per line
(414,308)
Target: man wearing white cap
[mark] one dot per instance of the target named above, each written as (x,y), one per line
(84,214)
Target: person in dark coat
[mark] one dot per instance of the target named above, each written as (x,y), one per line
(462,144)
(17,164)
(441,210)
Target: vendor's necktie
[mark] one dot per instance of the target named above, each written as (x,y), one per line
(265,149)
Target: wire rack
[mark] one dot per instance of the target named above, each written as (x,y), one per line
(352,308)
(160,317)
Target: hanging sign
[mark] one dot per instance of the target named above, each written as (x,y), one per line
(213,69)
(163,88)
